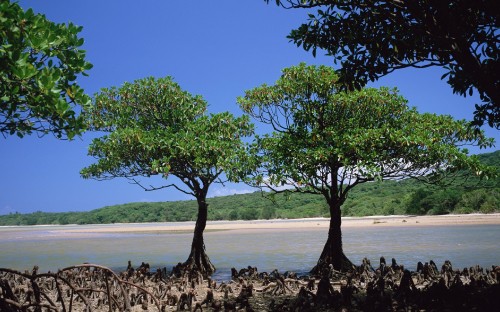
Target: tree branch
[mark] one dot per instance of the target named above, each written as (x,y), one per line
(155,188)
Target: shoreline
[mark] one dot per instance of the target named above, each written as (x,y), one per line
(291,224)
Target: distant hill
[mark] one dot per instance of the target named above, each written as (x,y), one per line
(492,159)
(374,198)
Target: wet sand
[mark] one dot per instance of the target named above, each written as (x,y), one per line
(294,224)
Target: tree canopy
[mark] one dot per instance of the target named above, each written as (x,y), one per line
(39,64)
(156,128)
(327,141)
(371,39)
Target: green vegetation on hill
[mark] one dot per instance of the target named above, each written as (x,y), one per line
(376,198)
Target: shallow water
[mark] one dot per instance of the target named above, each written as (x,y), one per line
(285,249)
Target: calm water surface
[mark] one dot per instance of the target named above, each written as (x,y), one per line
(296,250)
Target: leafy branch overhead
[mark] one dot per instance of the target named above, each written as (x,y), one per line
(39,65)
(371,39)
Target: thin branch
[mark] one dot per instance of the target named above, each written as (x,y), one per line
(155,188)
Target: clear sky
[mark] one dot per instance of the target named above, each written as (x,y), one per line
(217,49)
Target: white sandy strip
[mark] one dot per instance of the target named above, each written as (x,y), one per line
(373,221)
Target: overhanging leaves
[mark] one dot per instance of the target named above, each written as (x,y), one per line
(370,39)
(39,63)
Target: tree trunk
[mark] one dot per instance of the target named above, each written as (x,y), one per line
(332,252)
(198,259)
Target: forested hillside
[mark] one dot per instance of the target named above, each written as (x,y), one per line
(374,198)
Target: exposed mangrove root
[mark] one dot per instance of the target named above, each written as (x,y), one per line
(386,287)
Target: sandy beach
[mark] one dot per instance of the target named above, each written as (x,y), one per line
(293,224)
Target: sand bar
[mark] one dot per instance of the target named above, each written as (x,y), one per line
(294,224)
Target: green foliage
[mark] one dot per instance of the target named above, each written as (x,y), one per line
(379,198)
(490,159)
(268,212)
(370,39)
(156,128)
(327,141)
(375,198)
(425,201)
(39,64)
(482,200)
(417,204)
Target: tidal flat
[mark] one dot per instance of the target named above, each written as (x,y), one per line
(261,266)
(287,245)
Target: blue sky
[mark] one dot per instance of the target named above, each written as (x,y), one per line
(217,49)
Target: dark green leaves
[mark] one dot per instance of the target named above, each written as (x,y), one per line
(39,64)
(370,39)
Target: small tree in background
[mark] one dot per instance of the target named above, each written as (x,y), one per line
(371,39)
(156,128)
(326,142)
(39,63)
